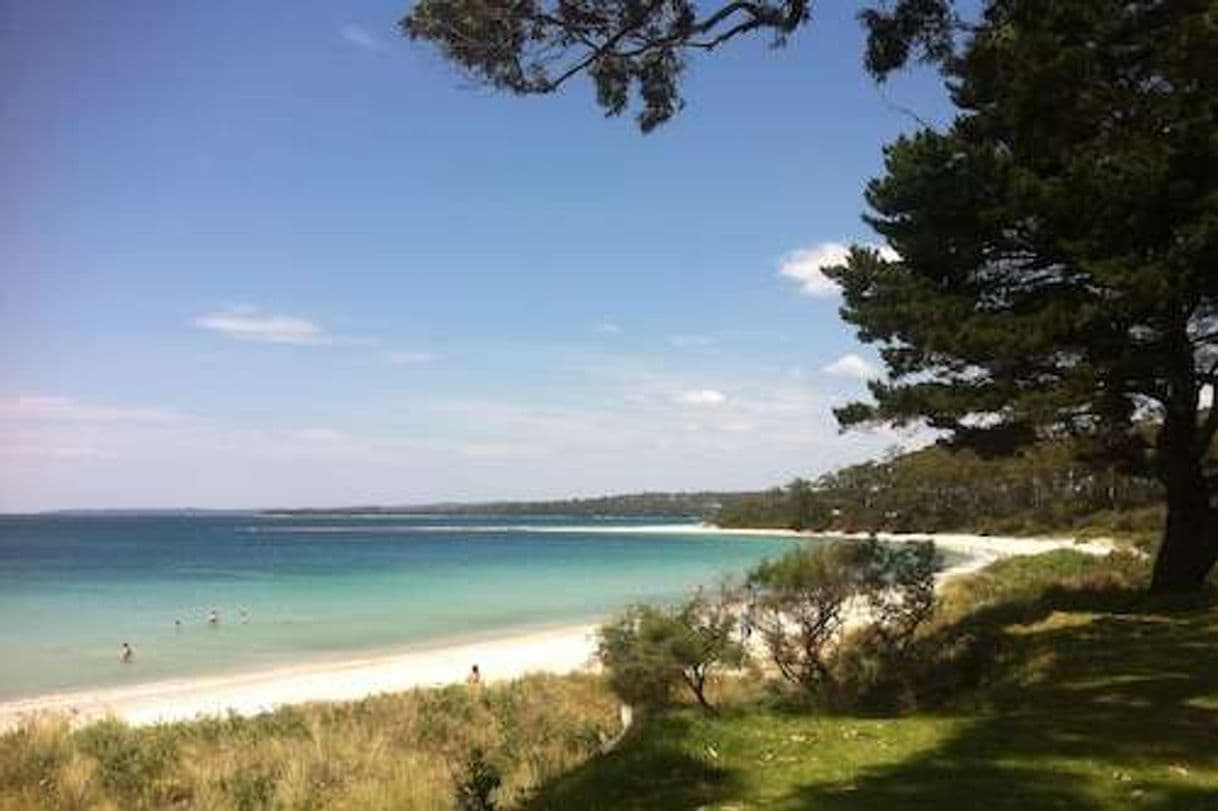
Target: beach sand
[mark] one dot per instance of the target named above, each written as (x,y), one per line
(559,650)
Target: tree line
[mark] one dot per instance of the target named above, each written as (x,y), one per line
(1044,488)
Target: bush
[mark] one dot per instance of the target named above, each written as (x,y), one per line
(251,789)
(808,598)
(477,783)
(129,762)
(649,652)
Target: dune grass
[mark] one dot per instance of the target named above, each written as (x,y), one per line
(401,751)
(1086,697)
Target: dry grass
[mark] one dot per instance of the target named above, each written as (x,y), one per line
(400,751)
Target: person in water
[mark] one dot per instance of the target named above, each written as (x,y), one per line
(125,654)
(475,677)
(213,617)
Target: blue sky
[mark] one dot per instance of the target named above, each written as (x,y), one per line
(271,254)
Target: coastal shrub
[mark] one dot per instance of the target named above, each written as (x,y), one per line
(129,762)
(250,789)
(650,652)
(477,783)
(809,598)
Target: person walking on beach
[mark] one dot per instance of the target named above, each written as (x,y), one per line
(213,617)
(125,654)
(475,677)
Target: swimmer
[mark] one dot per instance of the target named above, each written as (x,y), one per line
(125,654)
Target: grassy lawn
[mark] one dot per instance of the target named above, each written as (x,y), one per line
(1112,710)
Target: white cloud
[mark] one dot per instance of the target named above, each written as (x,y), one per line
(361,37)
(41,407)
(806,266)
(406,357)
(252,325)
(851,365)
(609,328)
(702,397)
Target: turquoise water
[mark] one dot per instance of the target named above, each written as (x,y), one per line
(73,588)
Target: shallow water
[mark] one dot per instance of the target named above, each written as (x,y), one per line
(73,588)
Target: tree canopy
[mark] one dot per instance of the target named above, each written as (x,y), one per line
(1058,251)
(642,46)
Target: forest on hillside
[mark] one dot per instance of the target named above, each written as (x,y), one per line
(666,505)
(1046,488)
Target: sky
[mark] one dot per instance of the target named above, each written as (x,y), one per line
(272,254)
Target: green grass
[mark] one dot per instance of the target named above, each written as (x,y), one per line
(1090,701)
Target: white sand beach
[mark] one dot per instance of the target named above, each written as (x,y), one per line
(560,650)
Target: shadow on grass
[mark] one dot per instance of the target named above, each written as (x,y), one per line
(1099,700)
(1114,711)
(649,769)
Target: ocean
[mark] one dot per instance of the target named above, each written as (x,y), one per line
(294,590)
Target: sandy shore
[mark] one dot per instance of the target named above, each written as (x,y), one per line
(561,650)
(980,550)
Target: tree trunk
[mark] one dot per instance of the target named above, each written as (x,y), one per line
(1190,539)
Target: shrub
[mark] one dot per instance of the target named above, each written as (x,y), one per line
(477,783)
(251,789)
(649,651)
(128,762)
(809,597)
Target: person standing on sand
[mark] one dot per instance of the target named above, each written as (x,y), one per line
(125,654)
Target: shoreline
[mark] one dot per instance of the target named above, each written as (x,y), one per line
(558,650)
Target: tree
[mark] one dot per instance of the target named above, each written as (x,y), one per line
(537,46)
(809,597)
(1058,251)
(650,651)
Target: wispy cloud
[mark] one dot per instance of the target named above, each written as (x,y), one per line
(42,407)
(806,266)
(609,328)
(851,365)
(409,357)
(361,37)
(252,325)
(702,397)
